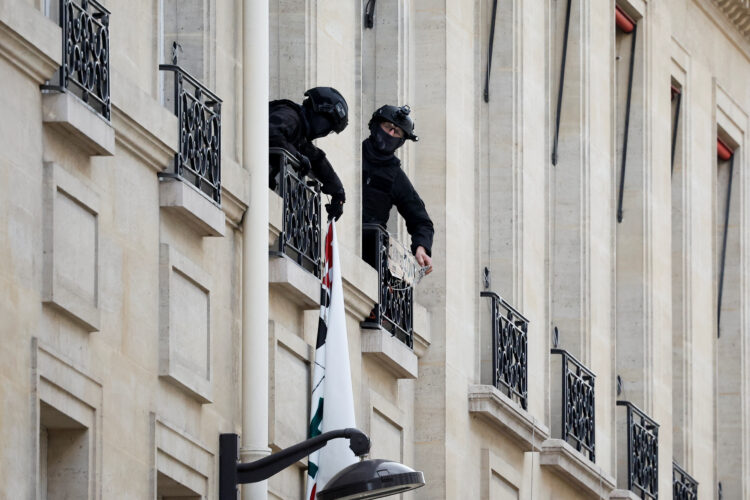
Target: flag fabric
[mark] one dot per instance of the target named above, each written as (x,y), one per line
(331,403)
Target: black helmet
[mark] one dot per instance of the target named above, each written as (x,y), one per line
(330,102)
(398,116)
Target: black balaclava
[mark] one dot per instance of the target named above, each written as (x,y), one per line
(382,141)
(318,125)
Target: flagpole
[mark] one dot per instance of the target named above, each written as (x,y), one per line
(255,74)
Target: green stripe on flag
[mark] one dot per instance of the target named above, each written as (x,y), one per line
(312,470)
(316,420)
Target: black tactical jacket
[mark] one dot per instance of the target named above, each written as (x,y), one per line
(287,128)
(384,184)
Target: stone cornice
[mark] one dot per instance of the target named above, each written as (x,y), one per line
(488,403)
(29,40)
(738,12)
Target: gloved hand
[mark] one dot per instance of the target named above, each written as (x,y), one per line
(304,164)
(336,208)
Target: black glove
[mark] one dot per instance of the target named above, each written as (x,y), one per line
(335,209)
(304,164)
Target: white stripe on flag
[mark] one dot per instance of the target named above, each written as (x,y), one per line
(332,381)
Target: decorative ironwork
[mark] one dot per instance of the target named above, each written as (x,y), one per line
(395,307)
(199,112)
(300,233)
(684,487)
(85,58)
(643,452)
(509,349)
(578,407)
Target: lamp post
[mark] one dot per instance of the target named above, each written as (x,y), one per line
(364,479)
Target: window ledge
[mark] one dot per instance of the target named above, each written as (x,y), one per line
(295,282)
(488,403)
(66,113)
(393,354)
(235,189)
(29,40)
(360,282)
(563,459)
(623,495)
(144,127)
(422,337)
(182,199)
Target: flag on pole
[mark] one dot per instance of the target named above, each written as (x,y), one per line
(332,381)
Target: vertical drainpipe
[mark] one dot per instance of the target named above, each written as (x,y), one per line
(255,74)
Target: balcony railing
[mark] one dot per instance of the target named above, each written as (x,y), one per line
(684,487)
(509,349)
(300,231)
(199,113)
(577,404)
(643,452)
(85,55)
(396,274)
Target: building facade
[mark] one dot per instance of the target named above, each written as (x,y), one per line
(583,333)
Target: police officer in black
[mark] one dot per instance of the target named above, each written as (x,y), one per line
(293,127)
(384,184)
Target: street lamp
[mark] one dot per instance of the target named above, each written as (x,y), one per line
(364,479)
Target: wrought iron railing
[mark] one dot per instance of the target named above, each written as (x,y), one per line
(643,452)
(395,308)
(300,232)
(199,112)
(509,349)
(684,487)
(578,409)
(85,55)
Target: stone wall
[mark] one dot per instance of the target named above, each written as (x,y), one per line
(120,288)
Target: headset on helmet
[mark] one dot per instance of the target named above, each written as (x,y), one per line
(398,116)
(329,101)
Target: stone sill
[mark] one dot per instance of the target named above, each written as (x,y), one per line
(199,390)
(144,127)
(571,465)
(195,209)
(29,40)
(275,218)
(64,112)
(299,285)
(390,352)
(491,405)
(235,191)
(623,495)
(421,329)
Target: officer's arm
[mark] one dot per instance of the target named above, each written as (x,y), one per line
(324,172)
(412,209)
(282,126)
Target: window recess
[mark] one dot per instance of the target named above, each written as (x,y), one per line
(724,153)
(627,25)
(676,100)
(561,84)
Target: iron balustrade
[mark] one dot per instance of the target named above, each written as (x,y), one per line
(300,236)
(199,113)
(509,349)
(643,452)
(578,408)
(395,308)
(684,487)
(85,55)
